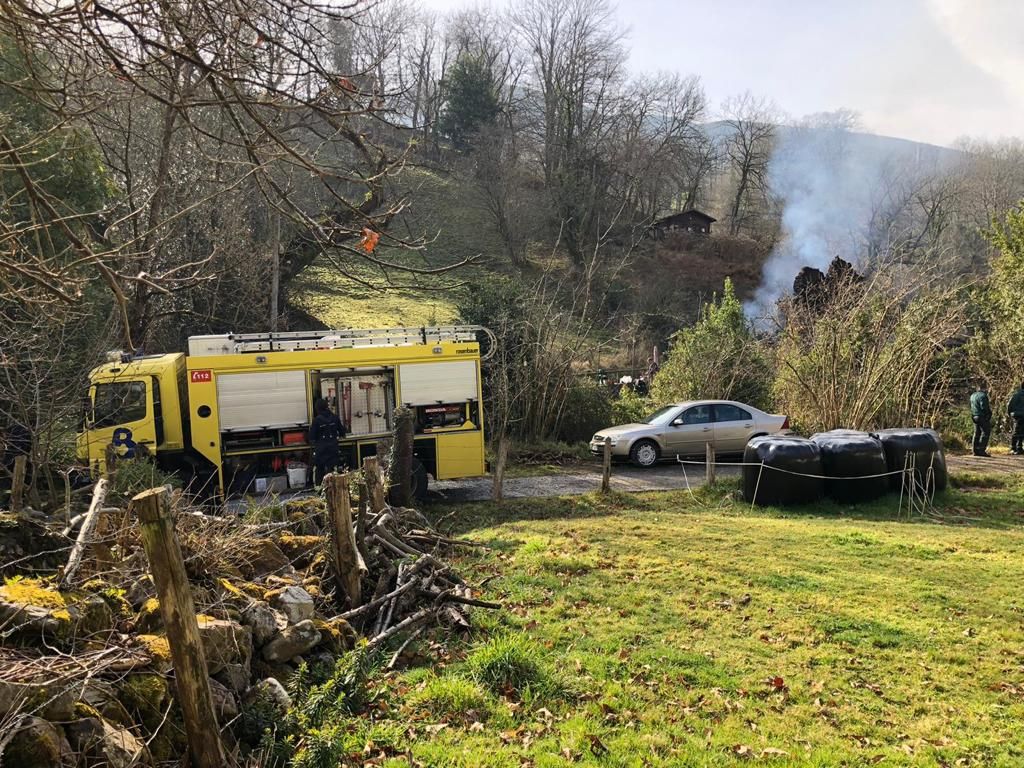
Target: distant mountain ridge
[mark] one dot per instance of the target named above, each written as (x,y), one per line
(871,146)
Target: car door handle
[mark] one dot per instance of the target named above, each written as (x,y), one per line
(706,429)
(748,426)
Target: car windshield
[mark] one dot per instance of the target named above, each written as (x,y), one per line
(662,415)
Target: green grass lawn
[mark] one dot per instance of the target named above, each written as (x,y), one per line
(666,629)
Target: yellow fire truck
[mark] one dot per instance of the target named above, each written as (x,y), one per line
(234,413)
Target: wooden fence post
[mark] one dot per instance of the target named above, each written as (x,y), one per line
(18,483)
(179,614)
(709,471)
(374,484)
(498,487)
(606,475)
(401,471)
(349,567)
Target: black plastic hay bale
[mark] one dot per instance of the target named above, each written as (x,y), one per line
(854,464)
(923,448)
(783,481)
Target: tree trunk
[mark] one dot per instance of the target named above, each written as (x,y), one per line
(401,472)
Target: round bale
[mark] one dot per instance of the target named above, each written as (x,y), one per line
(854,463)
(791,473)
(920,447)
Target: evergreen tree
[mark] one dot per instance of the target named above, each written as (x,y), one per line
(472,100)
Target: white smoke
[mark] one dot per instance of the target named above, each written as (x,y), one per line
(829,181)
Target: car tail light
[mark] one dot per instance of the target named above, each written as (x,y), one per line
(785,423)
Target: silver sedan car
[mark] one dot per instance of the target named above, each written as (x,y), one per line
(685,429)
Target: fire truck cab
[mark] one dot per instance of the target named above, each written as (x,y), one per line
(235,411)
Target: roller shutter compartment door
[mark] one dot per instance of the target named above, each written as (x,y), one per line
(265,399)
(431,383)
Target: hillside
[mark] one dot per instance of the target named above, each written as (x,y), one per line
(445,215)
(664,280)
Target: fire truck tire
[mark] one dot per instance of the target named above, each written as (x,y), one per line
(419,480)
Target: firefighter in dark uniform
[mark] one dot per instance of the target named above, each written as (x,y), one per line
(324,433)
(1016,410)
(981,415)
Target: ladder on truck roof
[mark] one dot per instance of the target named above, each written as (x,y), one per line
(347,338)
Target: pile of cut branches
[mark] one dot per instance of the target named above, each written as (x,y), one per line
(398,551)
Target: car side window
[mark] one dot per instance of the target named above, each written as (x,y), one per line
(699,414)
(731,413)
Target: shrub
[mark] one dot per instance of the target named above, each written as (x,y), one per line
(718,357)
(588,408)
(132,476)
(321,695)
(994,349)
(630,408)
(878,355)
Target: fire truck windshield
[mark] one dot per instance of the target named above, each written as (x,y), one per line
(119,402)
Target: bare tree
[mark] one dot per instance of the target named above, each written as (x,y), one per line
(751,126)
(576,63)
(237,97)
(658,141)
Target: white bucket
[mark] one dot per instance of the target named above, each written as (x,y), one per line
(297,475)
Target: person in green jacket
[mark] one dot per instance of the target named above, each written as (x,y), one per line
(1016,410)
(981,415)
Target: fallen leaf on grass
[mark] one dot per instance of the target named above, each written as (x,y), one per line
(773,752)
(433,730)
(597,746)
(510,736)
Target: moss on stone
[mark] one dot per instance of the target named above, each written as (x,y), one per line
(38,744)
(84,710)
(35,592)
(149,618)
(158,648)
(63,615)
(145,695)
(298,548)
(336,634)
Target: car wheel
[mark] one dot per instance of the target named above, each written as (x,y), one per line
(644,453)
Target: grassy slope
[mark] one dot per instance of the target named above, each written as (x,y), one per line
(670,277)
(443,212)
(865,639)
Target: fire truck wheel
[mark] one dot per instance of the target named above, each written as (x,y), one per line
(419,480)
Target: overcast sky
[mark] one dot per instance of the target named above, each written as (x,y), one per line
(929,70)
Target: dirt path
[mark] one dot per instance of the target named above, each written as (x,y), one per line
(664,477)
(577,481)
(998,463)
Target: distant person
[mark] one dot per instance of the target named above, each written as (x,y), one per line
(324,433)
(981,415)
(1016,410)
(652,368)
